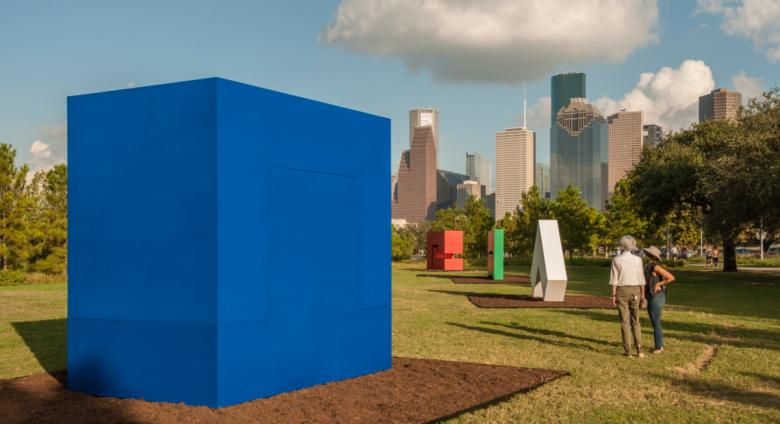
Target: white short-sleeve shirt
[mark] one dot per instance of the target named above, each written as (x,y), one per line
(627,270)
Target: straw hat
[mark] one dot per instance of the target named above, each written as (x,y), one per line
(653,251)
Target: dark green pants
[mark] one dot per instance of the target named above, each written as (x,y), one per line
(628,310)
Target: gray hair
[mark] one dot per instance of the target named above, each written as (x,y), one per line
(628,243)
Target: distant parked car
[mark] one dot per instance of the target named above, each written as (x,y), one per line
(774,250)
(743,251)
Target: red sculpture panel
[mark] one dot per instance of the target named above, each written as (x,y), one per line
(444,250)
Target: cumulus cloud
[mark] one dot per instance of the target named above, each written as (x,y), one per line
(503,41)
(44,155)
(668,97)
(750,87)
(758,20)
(42,158)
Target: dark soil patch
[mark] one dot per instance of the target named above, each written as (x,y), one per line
(413,391)
(508,279)
(525,301)
(479,279)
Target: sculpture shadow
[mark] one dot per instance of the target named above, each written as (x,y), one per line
(533,337)
(550,333)
(696,331)
(47,340)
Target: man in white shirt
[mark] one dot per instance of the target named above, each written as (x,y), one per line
(627,279)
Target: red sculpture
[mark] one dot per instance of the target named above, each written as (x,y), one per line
(443,246)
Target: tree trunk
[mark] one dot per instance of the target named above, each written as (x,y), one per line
(729,254)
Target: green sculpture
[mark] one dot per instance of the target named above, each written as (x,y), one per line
(495,257)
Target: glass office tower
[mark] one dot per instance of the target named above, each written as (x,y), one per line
(564,87)
(579,152)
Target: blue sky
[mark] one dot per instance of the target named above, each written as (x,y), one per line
(52,49)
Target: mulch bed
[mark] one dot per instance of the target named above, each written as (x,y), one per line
(525,301)
(413,391)
(478,279)
(508,279)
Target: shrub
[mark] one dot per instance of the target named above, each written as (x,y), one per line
(10,278)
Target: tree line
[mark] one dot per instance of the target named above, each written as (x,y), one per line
(33,216)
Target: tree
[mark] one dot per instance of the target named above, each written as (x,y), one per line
(581,227)
(51,220)
(623,215)
(726,170)
(14,243)
(520,227)
(479,223)
(475,221)
(401,247)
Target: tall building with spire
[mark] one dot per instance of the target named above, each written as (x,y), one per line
(579,152)
(720,105)
(625,144)
(415,193)
(515,152)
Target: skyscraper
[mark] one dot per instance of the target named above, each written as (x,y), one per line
(720,105)
(478,169)
(542,179)
(416,187)
(447,188)
(625,144)
(579,152)
(420,117)
(651,135)
(466,190)
(564,87)
(514,167)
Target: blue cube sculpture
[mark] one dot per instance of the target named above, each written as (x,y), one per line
(227,242)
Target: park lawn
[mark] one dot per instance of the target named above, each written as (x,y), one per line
(32,329)
(735,316)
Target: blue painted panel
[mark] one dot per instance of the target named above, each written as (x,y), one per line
(156,361)
(142,215)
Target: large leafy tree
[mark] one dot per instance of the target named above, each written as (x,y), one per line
(728,171)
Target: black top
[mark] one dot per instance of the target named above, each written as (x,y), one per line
(652,280)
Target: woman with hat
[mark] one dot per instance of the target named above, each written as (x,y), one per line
(657,278)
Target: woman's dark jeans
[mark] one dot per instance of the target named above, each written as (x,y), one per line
(655,307)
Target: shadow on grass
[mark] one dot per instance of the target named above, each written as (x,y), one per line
(699,332)
(550,333)
(47,340)
(530,337)
(721,391)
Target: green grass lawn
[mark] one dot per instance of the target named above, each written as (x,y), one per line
(734,316)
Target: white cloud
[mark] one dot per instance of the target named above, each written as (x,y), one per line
(504,41)
(750,87)
(758,20)
(44,155)
(668,97)
(538,115)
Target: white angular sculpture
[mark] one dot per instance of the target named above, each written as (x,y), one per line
(548,271)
